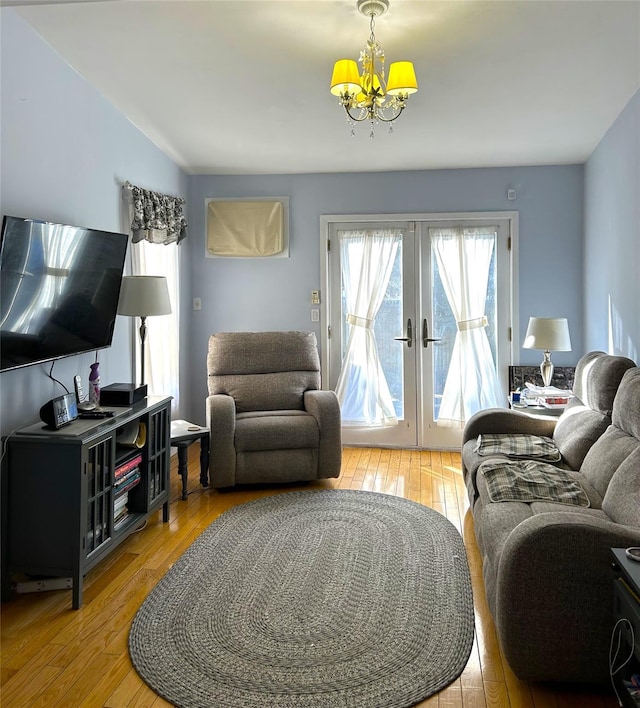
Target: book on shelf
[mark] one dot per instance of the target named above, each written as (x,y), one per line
(118,516)
(127,483)
(120,501)
(125,467)
(120,522)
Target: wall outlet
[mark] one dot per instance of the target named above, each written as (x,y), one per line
(315,315)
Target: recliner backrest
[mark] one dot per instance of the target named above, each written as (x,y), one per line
(263,370)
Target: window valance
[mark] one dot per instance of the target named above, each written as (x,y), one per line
(157,218)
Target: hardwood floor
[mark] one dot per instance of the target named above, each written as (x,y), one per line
(55,656)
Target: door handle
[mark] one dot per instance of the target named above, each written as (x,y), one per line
(409,338)
(425,335)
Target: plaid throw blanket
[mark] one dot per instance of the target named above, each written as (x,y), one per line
(529,481)
(537,447)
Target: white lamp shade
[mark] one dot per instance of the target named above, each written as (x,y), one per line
(548,333)
(144,296)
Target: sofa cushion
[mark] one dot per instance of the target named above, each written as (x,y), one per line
(577,430)
(597,379)
(606,455)
(622,500)
(626,411)
(518,445)
(588,414)
(531,480)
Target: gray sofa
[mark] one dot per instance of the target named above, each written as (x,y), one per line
(547,565)
(268,419)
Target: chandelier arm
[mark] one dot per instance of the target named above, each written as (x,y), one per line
(356,118)
(382,119)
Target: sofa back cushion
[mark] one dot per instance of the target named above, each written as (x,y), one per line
(598,376)
(621,503)
(620,440)
(588,415)
(626,406)
(263,370)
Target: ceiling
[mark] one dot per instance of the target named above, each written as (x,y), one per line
(241,86)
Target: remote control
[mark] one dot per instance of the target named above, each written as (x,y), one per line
(95,414)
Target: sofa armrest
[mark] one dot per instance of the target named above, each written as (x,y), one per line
(324,407)
(221,421)
(554,595)
(499,420)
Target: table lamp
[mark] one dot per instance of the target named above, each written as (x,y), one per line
(144,296)
(549,334)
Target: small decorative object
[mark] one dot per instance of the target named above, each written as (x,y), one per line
(94,384)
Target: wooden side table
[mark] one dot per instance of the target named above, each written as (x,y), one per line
(184,434)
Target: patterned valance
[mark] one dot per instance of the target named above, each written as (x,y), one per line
(157,218)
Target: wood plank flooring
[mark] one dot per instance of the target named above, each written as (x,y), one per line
(55,656)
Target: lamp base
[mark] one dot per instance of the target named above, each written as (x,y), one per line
(546,369)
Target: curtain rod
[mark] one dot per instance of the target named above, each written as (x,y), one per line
(129,187)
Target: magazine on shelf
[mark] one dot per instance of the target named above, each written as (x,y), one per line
(127,466)
(127,483)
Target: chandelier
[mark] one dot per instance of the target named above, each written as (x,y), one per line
(365,93)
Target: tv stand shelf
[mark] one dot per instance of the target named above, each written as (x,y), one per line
(71,496)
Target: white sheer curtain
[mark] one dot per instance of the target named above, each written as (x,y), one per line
(367,259)
(464,258)
(162,348)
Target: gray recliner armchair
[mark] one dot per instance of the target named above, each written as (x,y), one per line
(268,419)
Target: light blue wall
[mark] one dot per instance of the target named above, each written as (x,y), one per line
(65,152)
(272,294)
(612,238)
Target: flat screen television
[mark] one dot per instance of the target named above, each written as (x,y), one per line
(59,290)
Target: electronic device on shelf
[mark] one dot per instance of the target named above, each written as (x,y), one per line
(82,404)
(59,290)
(59,411)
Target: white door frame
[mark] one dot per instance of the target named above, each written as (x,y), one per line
(326,220)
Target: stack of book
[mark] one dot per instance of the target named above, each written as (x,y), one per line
(127,476)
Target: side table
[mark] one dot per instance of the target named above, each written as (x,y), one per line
(535,411)
(184,434)
(626,604)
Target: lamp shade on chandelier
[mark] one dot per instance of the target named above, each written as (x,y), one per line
(365,92)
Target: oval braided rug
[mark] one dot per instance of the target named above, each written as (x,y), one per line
(323,598)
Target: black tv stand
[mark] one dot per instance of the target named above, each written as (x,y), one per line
(64,507)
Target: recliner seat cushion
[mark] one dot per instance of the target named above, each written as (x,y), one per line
(279,430)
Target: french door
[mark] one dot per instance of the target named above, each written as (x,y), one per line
(418,315)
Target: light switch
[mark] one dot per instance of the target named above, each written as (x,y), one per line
(197,303)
